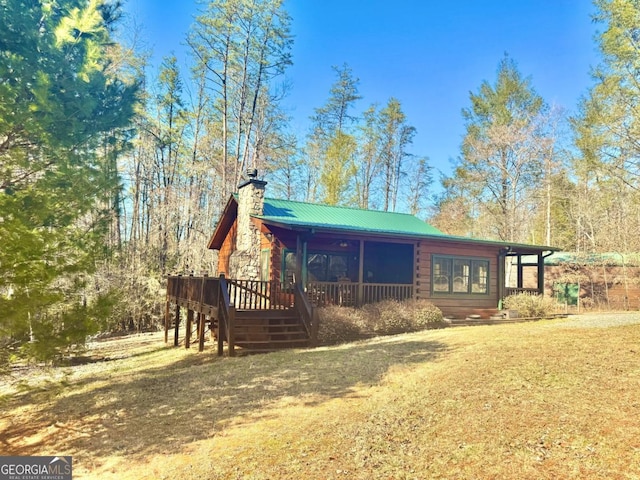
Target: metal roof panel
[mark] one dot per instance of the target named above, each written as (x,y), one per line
(309,215)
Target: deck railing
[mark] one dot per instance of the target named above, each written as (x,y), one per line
(376,292)
(188,289)
(521,291)
(308,314)
(226,319)
(353,294)
(253,294)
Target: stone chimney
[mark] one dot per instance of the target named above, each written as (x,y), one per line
(244,263)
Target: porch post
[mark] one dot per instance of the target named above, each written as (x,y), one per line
(303,267)
(299,261)
(360,294)
(520,272)
(502,258)
(541,274)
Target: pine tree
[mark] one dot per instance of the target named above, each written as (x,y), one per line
(396,136)
(330,147)
(59,107)
(501,156)
(607,131)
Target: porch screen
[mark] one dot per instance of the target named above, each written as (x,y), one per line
(388,263)
(459,275)
(331,267)
(289,268)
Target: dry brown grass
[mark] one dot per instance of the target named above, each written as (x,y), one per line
(536,400)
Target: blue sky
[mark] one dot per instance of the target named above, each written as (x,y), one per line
(428,54)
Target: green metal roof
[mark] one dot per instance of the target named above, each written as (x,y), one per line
(292,214)
(309,215)
(608,258)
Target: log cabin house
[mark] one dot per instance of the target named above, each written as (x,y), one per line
(286,258)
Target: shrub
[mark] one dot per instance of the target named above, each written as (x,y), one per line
(389,317)
(426,315)
(530,305)
(339,325)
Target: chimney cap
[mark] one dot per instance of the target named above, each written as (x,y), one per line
(252,173)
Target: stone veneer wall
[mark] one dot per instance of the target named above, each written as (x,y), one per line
(244,262)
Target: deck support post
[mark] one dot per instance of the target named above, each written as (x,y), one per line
(201,322)
(221,335)
(189,326)
(176,333)
(231,340)
(167,314)
(502,258)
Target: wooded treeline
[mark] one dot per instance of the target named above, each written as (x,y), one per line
(112,174)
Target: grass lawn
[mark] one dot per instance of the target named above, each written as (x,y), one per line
(543,400)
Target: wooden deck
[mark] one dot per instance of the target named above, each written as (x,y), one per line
(264,316)
(255,316)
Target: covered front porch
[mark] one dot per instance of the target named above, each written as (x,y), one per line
(348,271)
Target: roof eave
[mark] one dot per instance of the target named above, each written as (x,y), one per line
(227,218)
(413,236)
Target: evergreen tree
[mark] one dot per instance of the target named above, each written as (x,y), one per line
(608,127)
(242,46)
(369,163)
(331,141)
(59,104)
(396,136)
(607,132)
(501,158)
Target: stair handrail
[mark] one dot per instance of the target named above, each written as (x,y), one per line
(243,285)
(307,312)
(226,317)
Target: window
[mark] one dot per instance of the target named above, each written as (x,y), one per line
(264,265)
(459,275)
(289,268)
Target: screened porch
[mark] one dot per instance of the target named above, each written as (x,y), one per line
(352,272)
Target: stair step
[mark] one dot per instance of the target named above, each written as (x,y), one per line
(269,330)
(267,325)
(266,314)
(274,344)
(267,333)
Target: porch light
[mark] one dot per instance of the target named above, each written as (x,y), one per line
(343,244)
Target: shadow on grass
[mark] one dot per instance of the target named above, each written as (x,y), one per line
(158,409)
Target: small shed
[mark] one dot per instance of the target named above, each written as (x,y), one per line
(607,281)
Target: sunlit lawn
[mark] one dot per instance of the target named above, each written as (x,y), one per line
(534,400)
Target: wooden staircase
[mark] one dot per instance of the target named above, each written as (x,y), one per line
(251,315)
(269,330)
